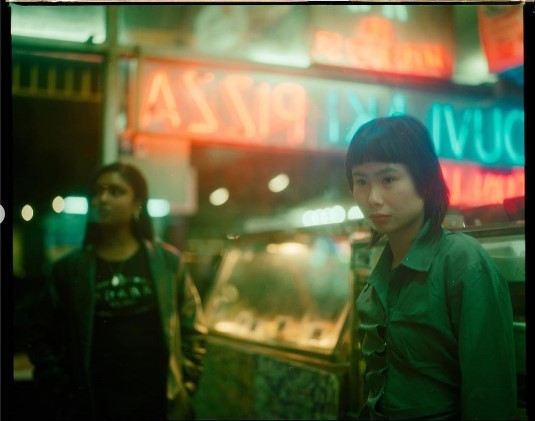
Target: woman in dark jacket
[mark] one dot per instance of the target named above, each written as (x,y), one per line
(118,331)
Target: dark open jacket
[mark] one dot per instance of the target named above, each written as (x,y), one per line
(61,343)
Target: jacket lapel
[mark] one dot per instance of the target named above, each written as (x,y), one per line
(380,276)
(163,286)
(83,291)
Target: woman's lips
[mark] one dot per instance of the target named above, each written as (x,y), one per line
(103,212)
(378,219)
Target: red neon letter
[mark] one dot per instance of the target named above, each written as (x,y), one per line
(209,125)
(232,85)
(289,103)
(434,57)
(152,110)
(455,185)
(376,30)
(493,188)
(328,45)
(262,99)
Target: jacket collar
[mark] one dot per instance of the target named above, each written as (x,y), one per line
(422,251)
(419,258)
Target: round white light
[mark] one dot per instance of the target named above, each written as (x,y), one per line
(332,215)
(219,196)
(355,213)
(278,183)
(158,207)
(75,205)
(27,212)
(336,214)
(58,204)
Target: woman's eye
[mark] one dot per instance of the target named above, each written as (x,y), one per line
(360,182)
(116,191)
(388,180)
(96,192)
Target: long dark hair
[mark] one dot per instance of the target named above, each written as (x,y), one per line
(403,139)
(141,227)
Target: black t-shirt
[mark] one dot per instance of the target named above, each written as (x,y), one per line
(129,363)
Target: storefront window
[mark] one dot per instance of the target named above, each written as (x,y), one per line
(84,24)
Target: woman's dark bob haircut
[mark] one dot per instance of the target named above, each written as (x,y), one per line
(141,226)
(403,139)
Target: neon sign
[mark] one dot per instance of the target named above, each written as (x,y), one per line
(471,185)
(383,39)
(261,109)
(501,30)
(488,135)
(267,110)
(381,53)
(234,107)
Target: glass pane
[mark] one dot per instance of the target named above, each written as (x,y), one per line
(67,23)
(291,293)
(156,25)
(256,33)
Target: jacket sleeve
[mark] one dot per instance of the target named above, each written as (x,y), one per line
(482,319)
(192,329)
(48,346)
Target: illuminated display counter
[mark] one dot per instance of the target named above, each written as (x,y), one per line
(290,294)
(278,319)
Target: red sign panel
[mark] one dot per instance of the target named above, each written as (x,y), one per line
(501,29)
(395,39)
(472,185)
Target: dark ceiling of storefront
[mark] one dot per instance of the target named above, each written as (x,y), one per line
(315,177)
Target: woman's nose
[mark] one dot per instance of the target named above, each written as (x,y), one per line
(102,195)
(375,196)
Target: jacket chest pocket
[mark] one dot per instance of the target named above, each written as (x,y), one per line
(416,323)
(410,298)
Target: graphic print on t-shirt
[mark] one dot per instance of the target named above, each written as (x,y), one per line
(127,292)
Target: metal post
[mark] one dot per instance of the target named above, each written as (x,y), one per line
(110,146)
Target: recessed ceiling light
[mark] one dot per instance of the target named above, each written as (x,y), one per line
(219,196)
(278,183)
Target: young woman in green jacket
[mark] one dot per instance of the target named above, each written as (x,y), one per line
(435,317)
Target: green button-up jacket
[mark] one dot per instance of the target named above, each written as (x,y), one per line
(437,333)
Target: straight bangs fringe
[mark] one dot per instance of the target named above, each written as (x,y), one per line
(381,149)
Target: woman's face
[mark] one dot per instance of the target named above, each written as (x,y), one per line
(386,194)
(113,200)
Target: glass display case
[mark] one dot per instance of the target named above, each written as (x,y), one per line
(290,293)
(279,339)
